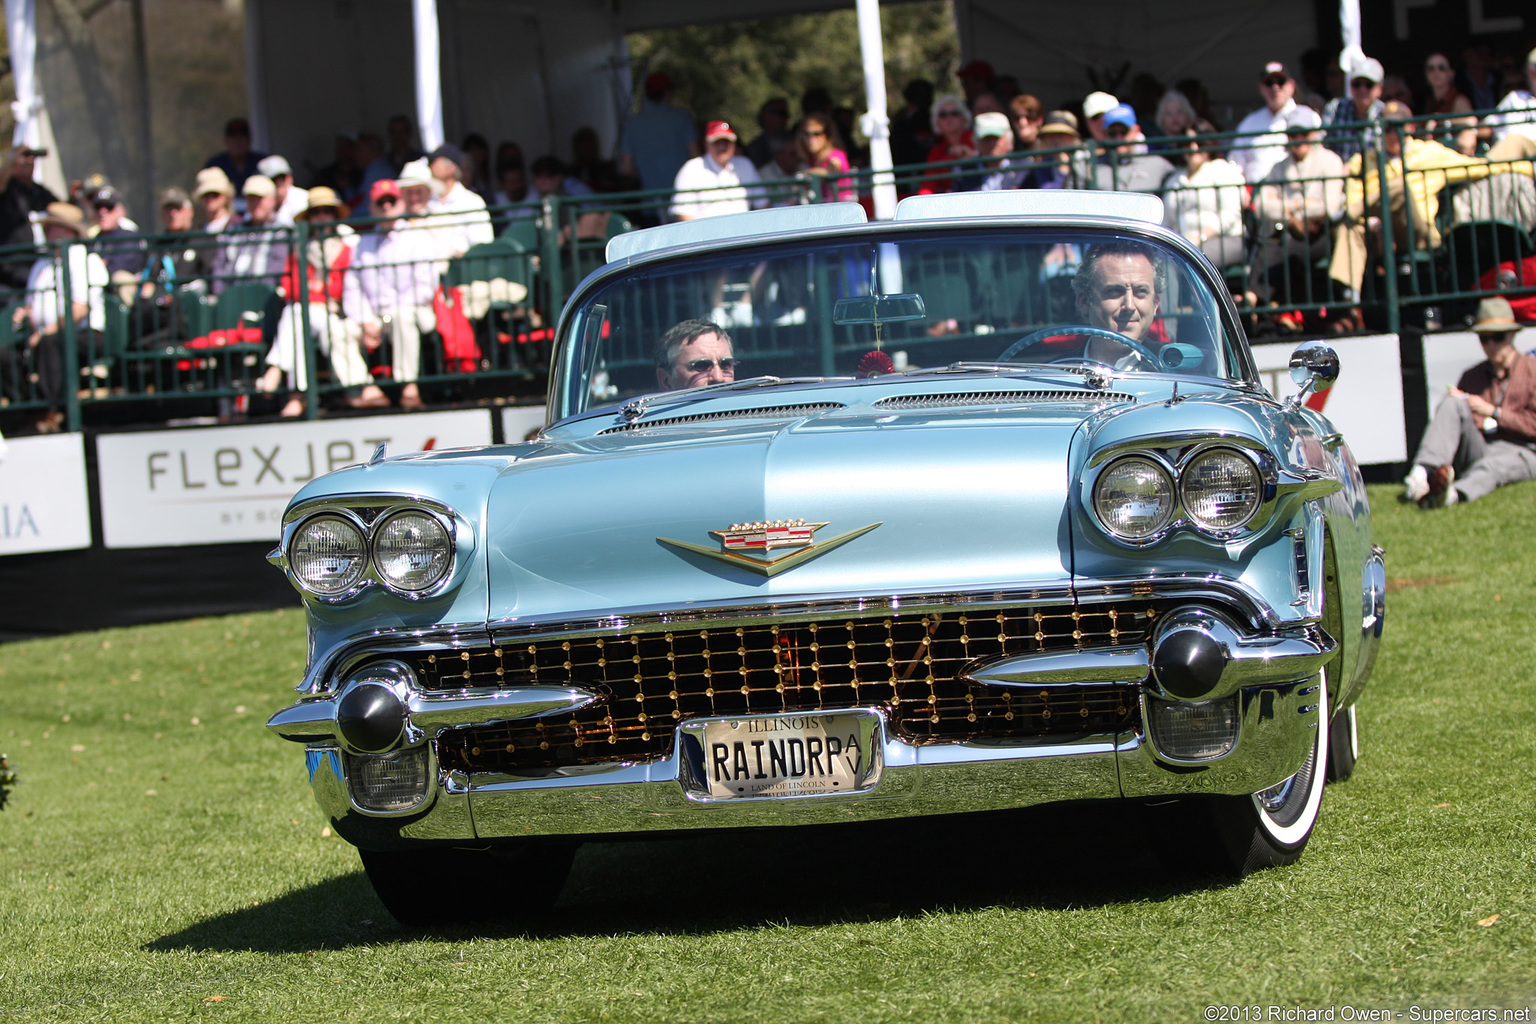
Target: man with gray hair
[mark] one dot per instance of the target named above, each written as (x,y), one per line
(693,354)
(465,221)
(290,200)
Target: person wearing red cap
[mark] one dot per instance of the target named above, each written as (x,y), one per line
(657,139)
(718,181)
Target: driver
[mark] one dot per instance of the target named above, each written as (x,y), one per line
(693,354)
(1118,289)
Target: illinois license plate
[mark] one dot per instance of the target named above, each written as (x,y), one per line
(788,755)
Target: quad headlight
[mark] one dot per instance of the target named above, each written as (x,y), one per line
(1221,489)
(335,553)
(411,550)
(328,555)
(1133,498)
(1140,496)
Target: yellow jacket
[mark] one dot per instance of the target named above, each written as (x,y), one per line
(1430,167)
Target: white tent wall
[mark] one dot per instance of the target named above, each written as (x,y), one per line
(1049,48)
(527,72)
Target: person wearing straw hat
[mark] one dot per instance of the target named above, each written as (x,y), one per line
(327,255)
(1483,434)
(215,196)
(46,309)
(1068,167)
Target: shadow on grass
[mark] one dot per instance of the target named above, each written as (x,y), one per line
(1057,857)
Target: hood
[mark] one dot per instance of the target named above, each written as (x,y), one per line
(911,501)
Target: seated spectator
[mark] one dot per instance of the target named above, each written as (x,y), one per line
(1095,106)
(1459,133)
(1428,167)
(1204,200)
(417,190)
(326,259)
(1483,433)
(912,132)
(401,135)
(121,250)
(1297,206)
(718,182)
(477,174)
(215,200)
(238,161)
(773,120)
(1122,169)
(290,200)
(1066,169)
(952,127)
(822,154)
(551,179)
(46,312)
(1257,155)
(464,220)
(994,143)
(1362,106)
(177,263)
(785,166)
(1175,114)
(587,164)
(1026,115)
(515,200)
(1517,110)
(342,175)
(975,79)
(387,290)
(257,249)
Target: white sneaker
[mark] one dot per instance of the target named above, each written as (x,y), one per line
(1416,484)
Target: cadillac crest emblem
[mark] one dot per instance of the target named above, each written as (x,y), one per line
(739,538)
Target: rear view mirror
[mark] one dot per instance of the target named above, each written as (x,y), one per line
(879,309)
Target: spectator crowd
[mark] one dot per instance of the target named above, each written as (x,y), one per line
(1295,185)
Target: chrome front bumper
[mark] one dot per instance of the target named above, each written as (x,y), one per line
(1278,724)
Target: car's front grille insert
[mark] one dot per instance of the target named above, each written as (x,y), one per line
(910,664)
(773,412)
(965,399)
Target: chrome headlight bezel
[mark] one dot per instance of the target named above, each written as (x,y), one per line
(368,515)
(1176,454)
(1188,481)
(345,583)
(440,540)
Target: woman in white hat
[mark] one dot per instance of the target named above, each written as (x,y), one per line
(327,255)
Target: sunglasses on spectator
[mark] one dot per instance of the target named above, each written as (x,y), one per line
(812,133)
(1437,67)
(697,366)
(388,201)
(1117,131)
(1362,83)
(100,207)
(1275,81)
(1496,339)
(950,113)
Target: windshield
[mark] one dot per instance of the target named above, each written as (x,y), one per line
(877,306)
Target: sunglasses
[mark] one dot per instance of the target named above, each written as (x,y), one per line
(1437,67)
(950,113)
(1117,131)
(387,201)
(698,366)
(1275,82)
(1362,83)
(1496,339)
(811,133)
(101,207)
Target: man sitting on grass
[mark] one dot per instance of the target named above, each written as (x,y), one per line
(1483,434)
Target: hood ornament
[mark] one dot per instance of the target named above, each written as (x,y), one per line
(765,536)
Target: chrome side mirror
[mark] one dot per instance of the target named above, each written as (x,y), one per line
(1314,367)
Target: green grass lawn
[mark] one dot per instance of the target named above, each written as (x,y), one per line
(162,860)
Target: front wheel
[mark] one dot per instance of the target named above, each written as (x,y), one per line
(444,885)
(1238,835)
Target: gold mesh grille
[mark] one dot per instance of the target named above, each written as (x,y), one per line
(908,664)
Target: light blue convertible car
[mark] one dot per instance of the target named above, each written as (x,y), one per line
(979,508)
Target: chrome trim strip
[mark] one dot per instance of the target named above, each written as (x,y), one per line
(427,715)
(1056,668)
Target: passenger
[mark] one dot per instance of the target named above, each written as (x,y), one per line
(1482,433)
(693,354)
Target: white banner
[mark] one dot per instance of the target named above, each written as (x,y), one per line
(44,505)
(226,484)
(1366,403)
(518,421)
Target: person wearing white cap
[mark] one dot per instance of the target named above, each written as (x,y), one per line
(291,200)
(1256,156)
(1298,203)
(994,141)
(1517,110)
(1361,106)
(1095,106)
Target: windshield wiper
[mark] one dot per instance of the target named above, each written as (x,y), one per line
(1093,374)
(637,407)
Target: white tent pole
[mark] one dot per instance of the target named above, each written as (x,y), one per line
(21,25)
(1349,29)
(429,83)
(875,122)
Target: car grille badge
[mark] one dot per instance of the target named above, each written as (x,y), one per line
(738,539)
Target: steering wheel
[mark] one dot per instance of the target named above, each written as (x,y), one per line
(1082,330)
